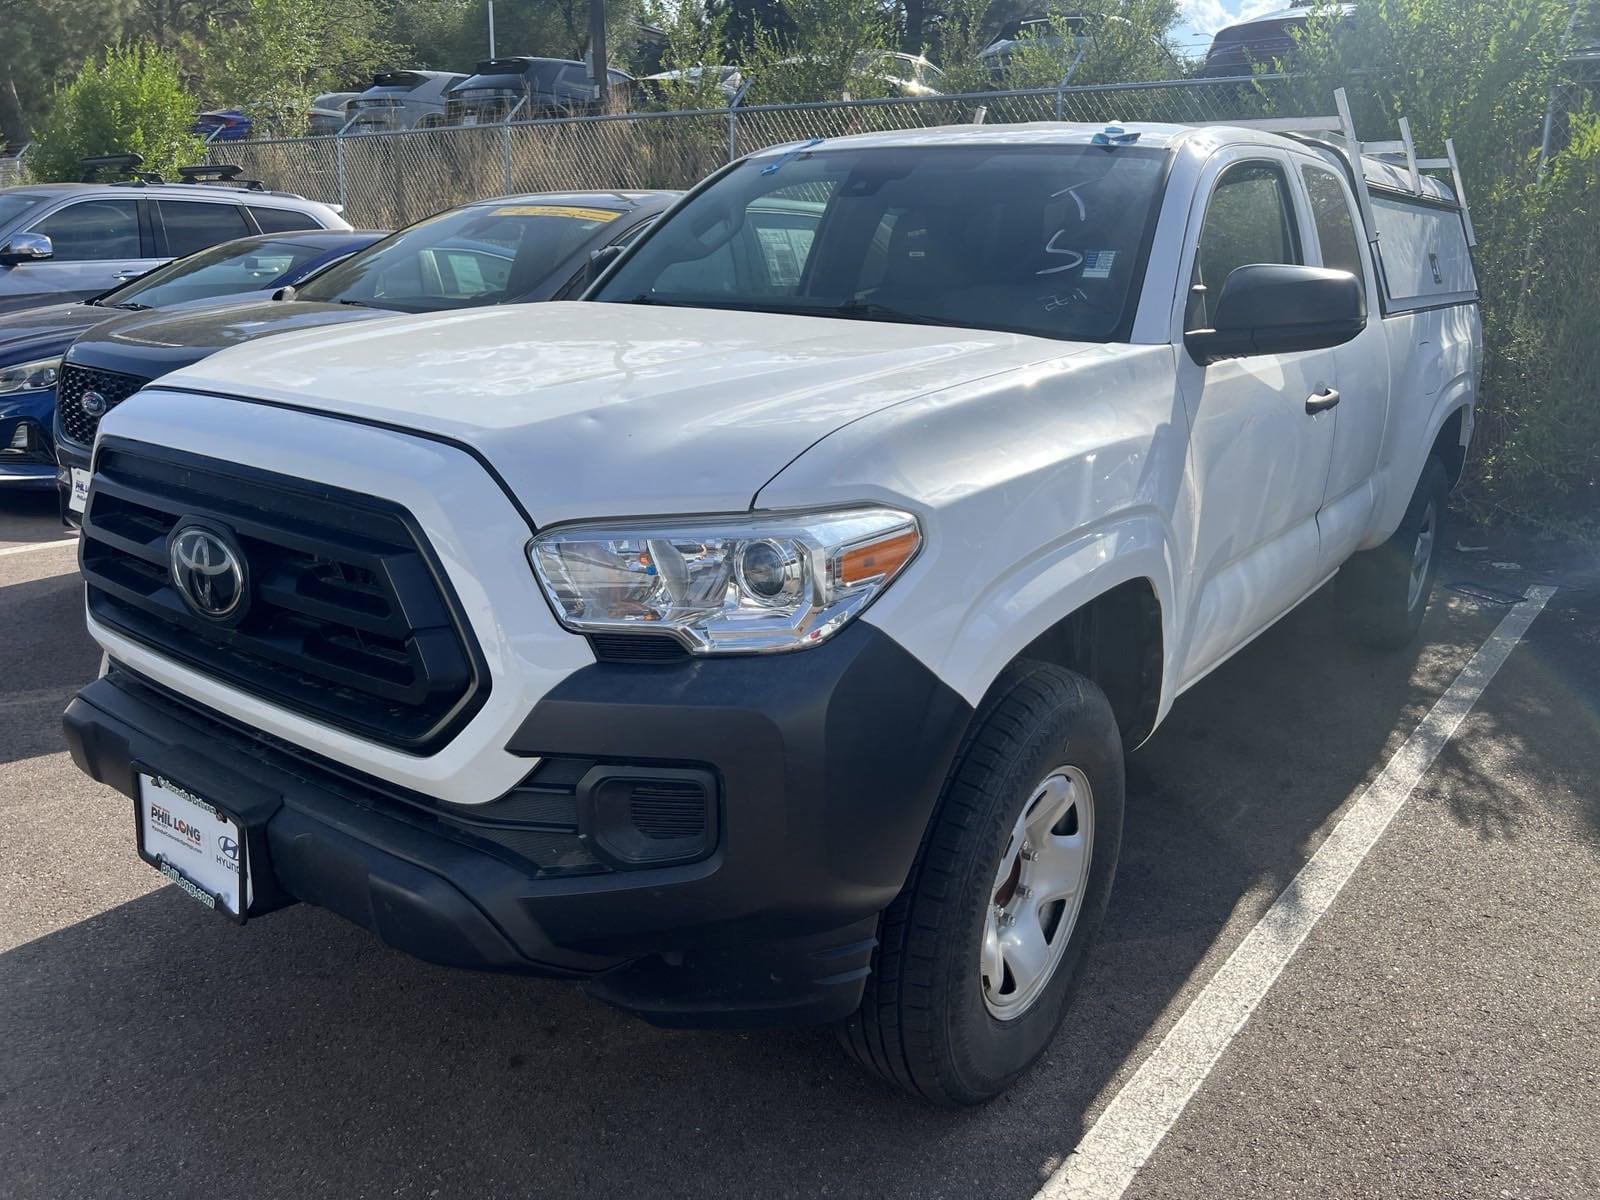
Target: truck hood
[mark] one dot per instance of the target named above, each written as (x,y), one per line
(595,410)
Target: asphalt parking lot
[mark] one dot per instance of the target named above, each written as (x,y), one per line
(1436,1035)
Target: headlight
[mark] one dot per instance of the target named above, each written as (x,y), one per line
(29,377)
(737,584)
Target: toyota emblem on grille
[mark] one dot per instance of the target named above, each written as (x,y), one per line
(207,570)
(93,403)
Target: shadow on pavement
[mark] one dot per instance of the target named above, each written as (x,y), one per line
(45,657)
(157,1050)
(31,516)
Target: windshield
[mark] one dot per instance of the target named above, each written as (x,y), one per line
(223,270)
(14,204)
(484,254)
(1043,240)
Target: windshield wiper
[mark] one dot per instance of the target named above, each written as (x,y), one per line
(871,311)
(131,306)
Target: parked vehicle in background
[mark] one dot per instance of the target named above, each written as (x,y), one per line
(223,125)
(511,250)
(760,641)
(402,100)
(1262,41)
(329,113)
(70,241)
(729,81)
(33,340)
(528,87)
(903,74)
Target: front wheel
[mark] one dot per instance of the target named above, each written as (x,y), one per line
(978,955)
(1384,592)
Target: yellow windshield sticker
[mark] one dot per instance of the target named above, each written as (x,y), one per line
(556,210)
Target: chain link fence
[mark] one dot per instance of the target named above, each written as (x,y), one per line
(389,179)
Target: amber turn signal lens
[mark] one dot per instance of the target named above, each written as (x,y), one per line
(878,560)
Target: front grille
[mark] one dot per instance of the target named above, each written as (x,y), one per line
(75,382)
(349,619)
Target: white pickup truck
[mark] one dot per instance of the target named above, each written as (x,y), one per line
(760,641)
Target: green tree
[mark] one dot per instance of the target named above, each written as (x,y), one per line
(42,45)
(133,101)
(275,55)
(833,49)
(1121,42)
(694,49)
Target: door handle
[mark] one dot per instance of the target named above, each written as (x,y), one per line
(1321,401)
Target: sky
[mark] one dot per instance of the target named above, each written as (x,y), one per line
(1202,18)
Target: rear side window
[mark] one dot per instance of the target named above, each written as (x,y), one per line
(192,225)
(1336,230)
(1424,251)
(1249,220)
(281,220)
(92,230)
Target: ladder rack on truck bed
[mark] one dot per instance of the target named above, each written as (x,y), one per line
(1402,148)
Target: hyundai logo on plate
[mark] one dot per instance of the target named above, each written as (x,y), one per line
(207,570)
(229,847)
(93,403)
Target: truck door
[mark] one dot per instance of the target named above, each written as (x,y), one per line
(1259,459)
(1361,374)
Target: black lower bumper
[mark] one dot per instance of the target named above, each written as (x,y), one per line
(827,766)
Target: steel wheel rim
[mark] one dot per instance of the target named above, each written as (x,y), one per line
(1422,556)
(1037,893)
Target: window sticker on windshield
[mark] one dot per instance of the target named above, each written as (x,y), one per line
(1097,264)
(556,210)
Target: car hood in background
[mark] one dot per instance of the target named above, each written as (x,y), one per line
(152,343)
(47,328)
(593,410)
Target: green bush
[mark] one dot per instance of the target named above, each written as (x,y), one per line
(1481,72)
(132,101)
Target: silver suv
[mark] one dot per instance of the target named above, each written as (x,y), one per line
(69,241)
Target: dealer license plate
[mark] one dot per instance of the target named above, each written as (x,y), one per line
(195,844)
(79,496)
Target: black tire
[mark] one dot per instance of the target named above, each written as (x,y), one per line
(924,1024)
(1374,589)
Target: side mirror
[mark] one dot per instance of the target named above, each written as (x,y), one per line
(26,247)
(1272,308)
(286,292)
(599,260)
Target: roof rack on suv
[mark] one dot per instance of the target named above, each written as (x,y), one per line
(1402,149)
(122,164)
(219,175)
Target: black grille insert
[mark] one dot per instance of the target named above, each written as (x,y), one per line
(79,424)
(350,620)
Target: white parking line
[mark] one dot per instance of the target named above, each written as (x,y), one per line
(1150,1103)
(71,541)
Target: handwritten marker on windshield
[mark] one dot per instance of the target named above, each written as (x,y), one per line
(774,168)
(1114,135)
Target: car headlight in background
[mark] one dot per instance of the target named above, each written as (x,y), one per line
(763,583)
(30,376)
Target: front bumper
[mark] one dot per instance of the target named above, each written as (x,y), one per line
(827,764)
(68,455)
(32,415)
